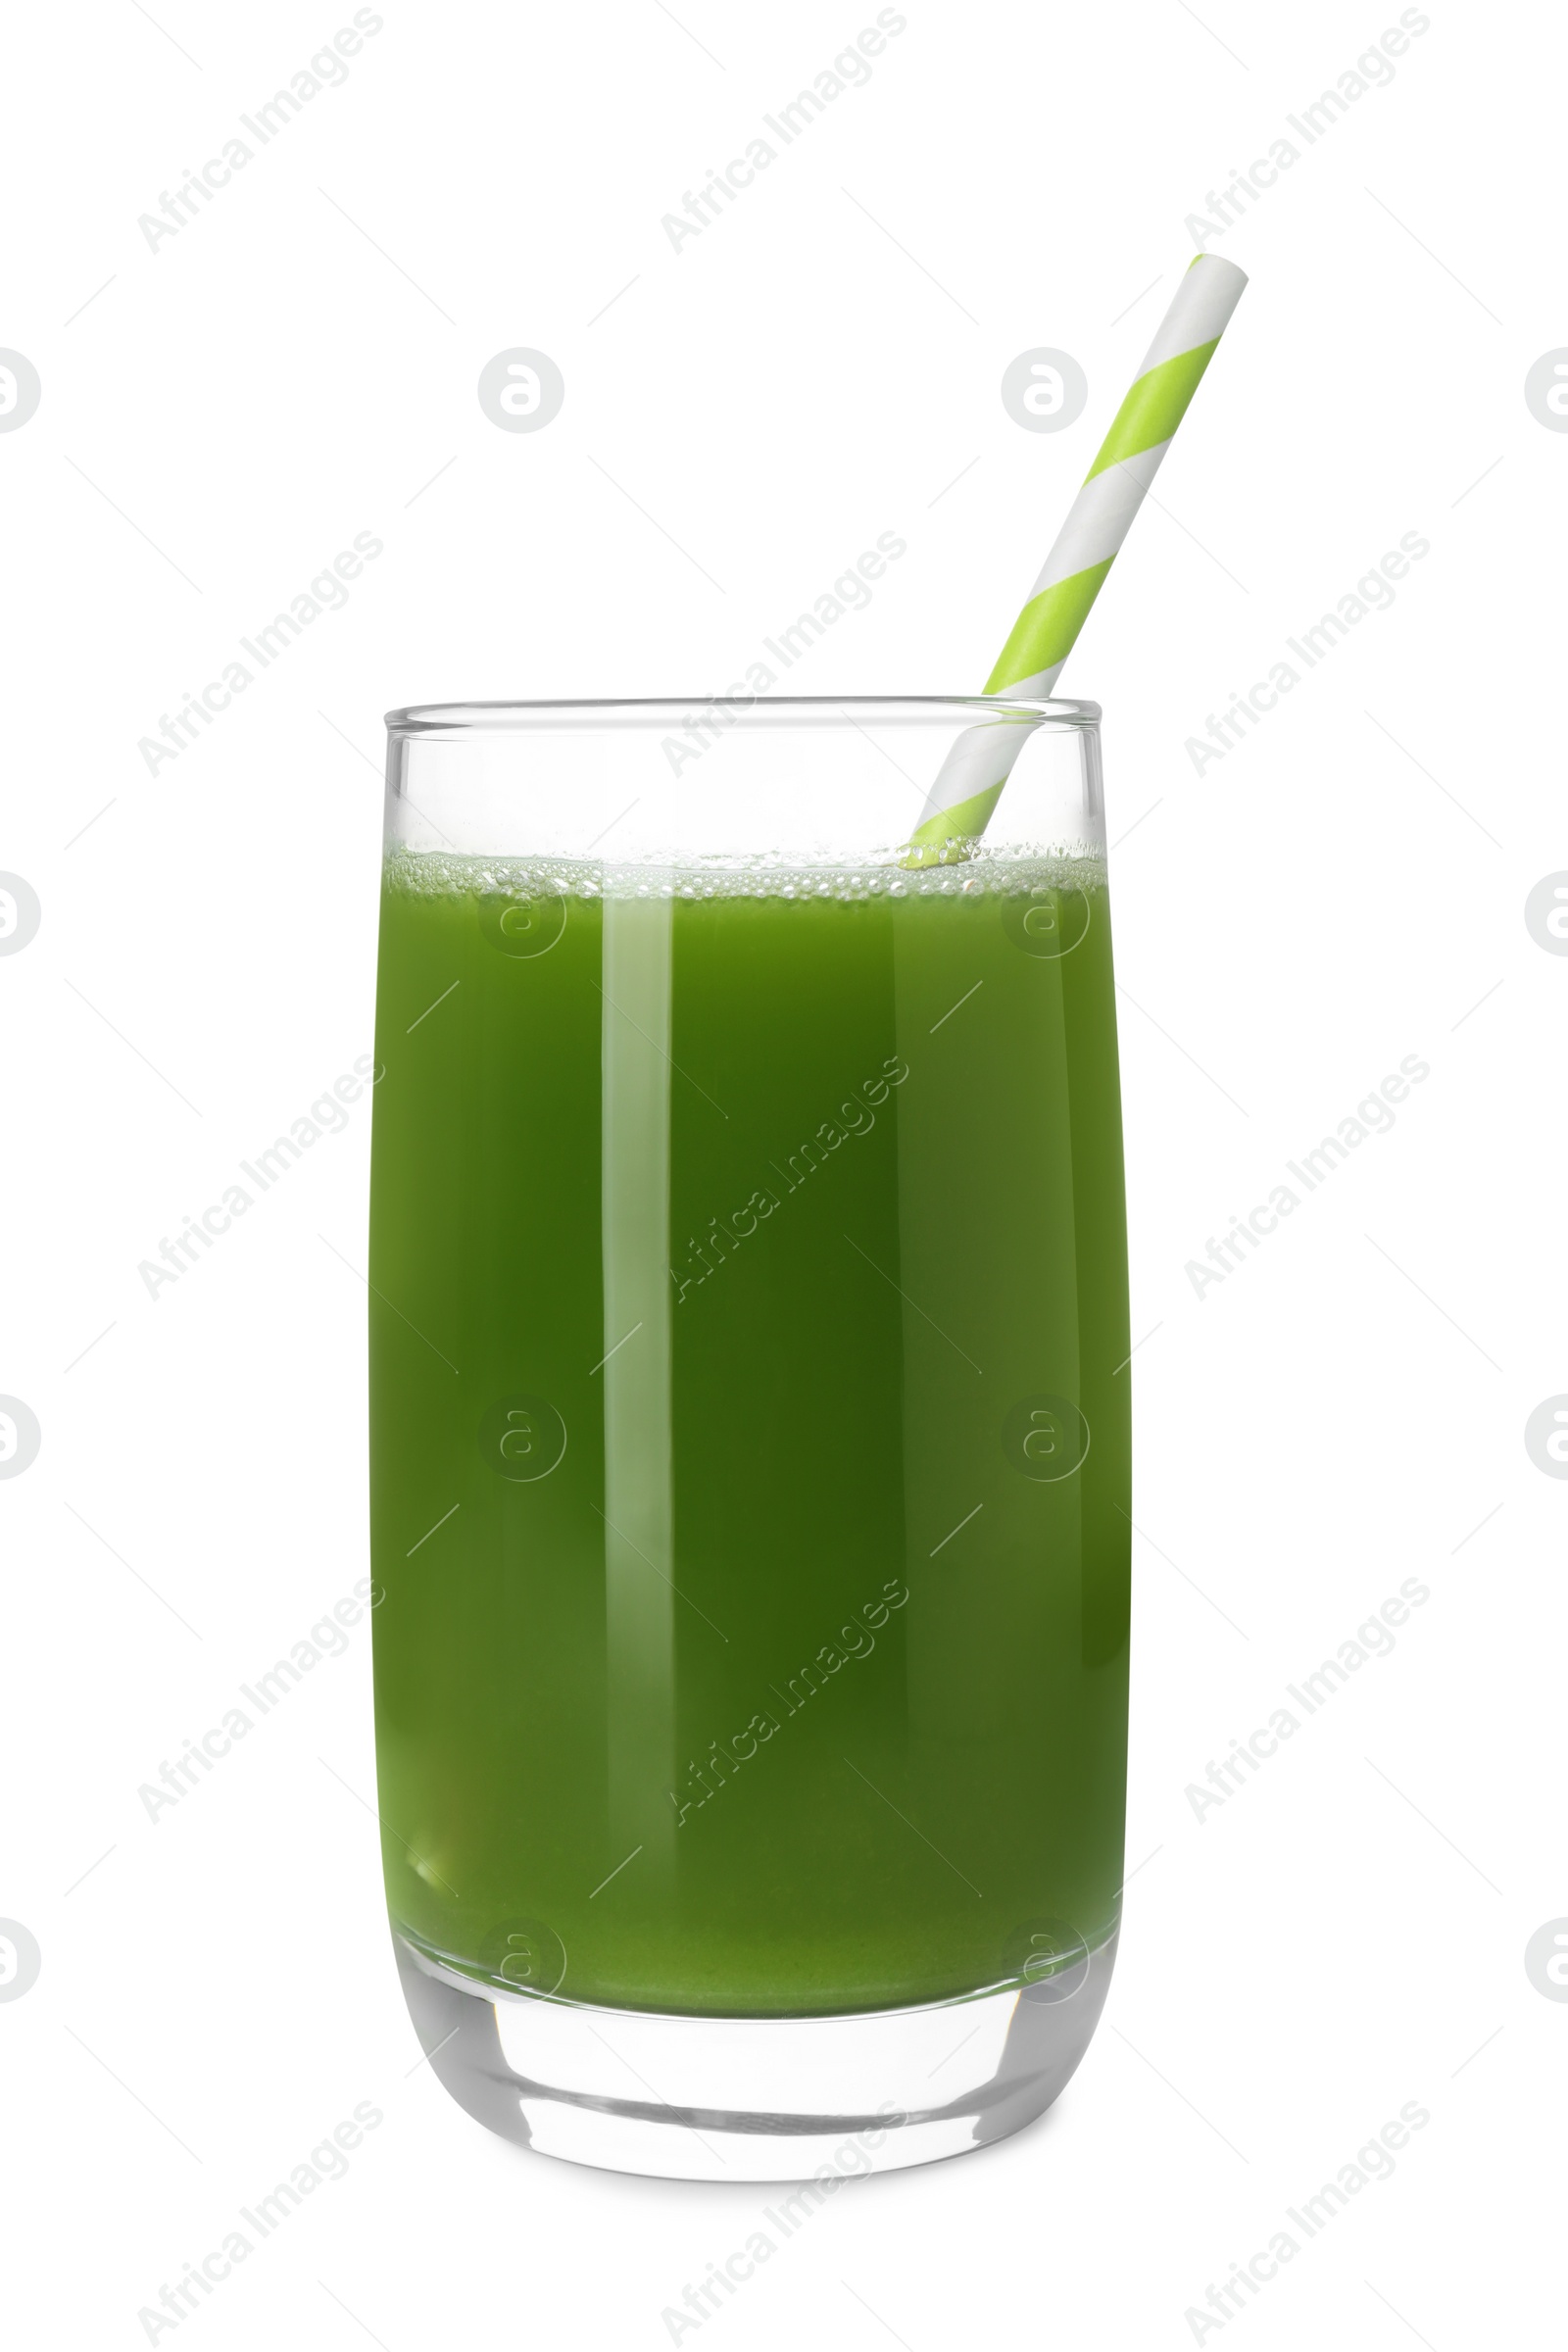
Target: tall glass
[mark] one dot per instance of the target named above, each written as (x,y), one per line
(749,1427)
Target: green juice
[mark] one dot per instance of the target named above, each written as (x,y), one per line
(749,1430)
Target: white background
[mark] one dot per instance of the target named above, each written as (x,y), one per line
(1346,1933)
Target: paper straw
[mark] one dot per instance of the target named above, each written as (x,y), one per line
(960,802)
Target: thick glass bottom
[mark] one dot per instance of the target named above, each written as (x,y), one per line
(774,2098)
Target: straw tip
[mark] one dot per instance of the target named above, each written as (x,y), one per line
(1217,260)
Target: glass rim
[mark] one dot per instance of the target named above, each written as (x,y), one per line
(460,719)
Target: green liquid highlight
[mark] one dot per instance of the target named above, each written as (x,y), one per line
(748,1276)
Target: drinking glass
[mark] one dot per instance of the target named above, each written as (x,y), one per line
(749,1427)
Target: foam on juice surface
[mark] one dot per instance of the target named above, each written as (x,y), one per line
(1012,872)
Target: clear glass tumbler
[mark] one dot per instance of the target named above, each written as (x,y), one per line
(749,1427)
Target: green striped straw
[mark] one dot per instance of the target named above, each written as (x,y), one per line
(960,802)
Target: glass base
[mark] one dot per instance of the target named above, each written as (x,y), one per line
(772,2098)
